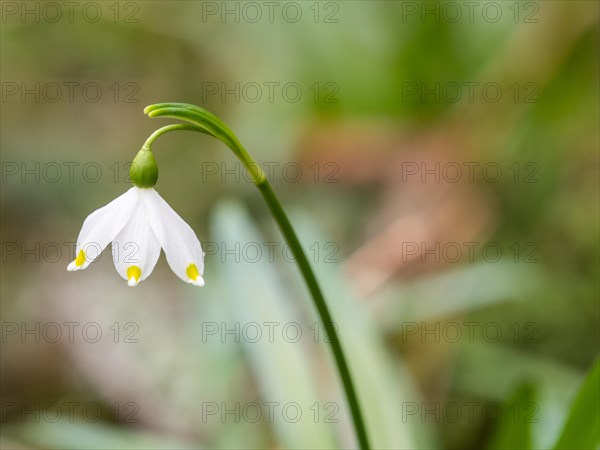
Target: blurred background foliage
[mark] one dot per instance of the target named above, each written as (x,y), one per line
(546,306)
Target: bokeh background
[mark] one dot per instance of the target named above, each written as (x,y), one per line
(467,300)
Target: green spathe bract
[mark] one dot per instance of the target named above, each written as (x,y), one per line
(144,171)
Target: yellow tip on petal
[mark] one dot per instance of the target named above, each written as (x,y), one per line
(77,263)
(80,260)
(134,274)
(194,275)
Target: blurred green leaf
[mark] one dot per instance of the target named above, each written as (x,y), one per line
(282,367)
(385,387)
(514,430)
(492,370)
(464,289)
(582,428)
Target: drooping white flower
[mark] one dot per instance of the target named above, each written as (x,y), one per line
(139,223)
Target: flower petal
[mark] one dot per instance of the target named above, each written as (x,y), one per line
(135,249)
(178,240)
(101,226)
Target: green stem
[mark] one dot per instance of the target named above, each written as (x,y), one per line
(205,122)
(176,126)
(313,286)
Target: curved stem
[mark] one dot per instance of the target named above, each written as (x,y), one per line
(176,126)
(207,123)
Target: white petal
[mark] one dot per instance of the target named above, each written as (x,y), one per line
(135,249)
(101,226)
(178,240)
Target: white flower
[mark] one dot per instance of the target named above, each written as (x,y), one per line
(139,223)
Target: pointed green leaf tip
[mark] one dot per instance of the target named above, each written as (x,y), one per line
(581,429)
(144,171)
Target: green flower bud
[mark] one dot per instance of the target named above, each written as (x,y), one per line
(144,171)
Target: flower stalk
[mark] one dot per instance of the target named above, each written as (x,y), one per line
(200,120)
